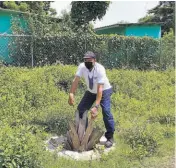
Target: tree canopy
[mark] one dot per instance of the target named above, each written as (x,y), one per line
(29,6)
(82,12)
(164,12)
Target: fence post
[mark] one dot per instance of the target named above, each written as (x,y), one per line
(160,56)
(32,52)
(85,36)
(85,47)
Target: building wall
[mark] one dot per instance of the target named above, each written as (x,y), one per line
(144,30)
(134,30)
(6,18)
(5,25)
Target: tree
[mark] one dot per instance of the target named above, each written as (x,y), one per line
(145,18)
(82,12)
(13,5)
(41,6)
(67,25)
(164,12)
(29,6)
(39,18)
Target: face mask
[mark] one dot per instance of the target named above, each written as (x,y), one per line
(89,65)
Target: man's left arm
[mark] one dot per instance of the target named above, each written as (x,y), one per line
(100,85)
(99,94)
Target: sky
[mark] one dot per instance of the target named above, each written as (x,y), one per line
(129,11)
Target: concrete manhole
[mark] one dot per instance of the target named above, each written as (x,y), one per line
(82,141)
(56,143)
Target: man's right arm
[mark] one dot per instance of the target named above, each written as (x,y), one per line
(73,89)
(74,84)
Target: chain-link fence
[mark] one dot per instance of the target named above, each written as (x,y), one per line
(30,51)
(26,50)
(16,50)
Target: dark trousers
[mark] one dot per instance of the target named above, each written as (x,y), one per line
(87,102)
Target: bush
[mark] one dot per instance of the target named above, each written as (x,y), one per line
(33,106)
(19,147)
(112,50)
(142,139)
(168,50)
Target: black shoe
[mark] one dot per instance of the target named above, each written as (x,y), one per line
(109,143)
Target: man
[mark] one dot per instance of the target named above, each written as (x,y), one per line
(99,91)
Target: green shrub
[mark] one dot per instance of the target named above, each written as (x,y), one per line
(142,139)
(167,59)
(112,50)
(19,147)
(33,106)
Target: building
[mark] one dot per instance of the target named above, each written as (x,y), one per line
(132,29)
(7,17)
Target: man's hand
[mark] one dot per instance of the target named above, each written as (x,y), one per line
(71,99)
(94,112)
